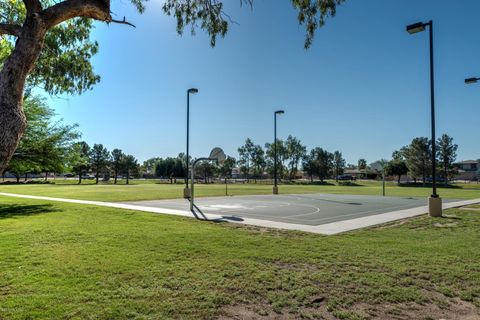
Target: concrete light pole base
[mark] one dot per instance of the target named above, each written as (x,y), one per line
(275,190)
(435,207)
(186,193)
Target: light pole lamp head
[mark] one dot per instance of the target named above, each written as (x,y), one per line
(280,112)
(192,90)
(471,80)
(416,27)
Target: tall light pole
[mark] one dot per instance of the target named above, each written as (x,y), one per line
(186,191)
(434,202)
(275,186)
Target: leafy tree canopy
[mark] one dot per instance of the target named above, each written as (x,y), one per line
(64,65)
(210,16)
(46,44)
(46,144)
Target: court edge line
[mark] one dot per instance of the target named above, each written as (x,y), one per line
(325,229)
(369,212)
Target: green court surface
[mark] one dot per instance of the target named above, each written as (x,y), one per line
(311,209)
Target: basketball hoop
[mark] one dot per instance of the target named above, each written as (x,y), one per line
(218,155)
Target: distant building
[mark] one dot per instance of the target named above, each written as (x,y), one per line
(362,173)
(468,166)
(354,172)
(236,173)
(467,170)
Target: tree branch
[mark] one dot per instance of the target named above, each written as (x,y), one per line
(10,29)
(65,10)
(32,6)
(122,22)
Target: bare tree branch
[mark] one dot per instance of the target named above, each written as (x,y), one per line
(122,22)
(10,29)
(65,10)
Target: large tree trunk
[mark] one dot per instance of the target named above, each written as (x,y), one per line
(12,82)
(30,40)
(446,174)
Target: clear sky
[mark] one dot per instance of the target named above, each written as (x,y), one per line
(363,87)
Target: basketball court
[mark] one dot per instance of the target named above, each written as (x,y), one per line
(305,209)
(326,214)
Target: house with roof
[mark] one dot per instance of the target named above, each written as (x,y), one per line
(468,165)
(467,170)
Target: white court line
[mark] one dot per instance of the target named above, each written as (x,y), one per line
(273,205)
(239,210)
(332,199)
(317,210)
(348,215)
(268,218)
(371,211)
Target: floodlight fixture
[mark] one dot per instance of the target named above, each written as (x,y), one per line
(416,27)
(471,80)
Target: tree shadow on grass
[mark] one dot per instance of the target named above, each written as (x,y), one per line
(429,185)
(21,182)
(349,184)
(16,210)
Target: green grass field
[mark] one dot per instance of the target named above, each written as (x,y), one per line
(66,261)
(150,190)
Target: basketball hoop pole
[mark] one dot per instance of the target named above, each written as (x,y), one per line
(217,155)
(226,186)
(192,179)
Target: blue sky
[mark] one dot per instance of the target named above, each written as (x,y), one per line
(362,88)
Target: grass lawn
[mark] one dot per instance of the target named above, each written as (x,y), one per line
(69,261)
(149,190)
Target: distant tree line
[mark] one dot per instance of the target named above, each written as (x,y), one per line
(46,144)
(173,168)
(168,168)
(49,146)
(415,159)
(102,163)
(257,162)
